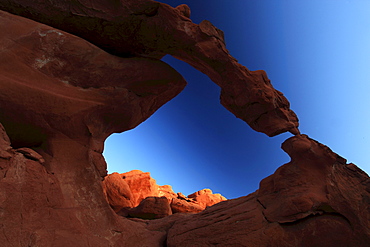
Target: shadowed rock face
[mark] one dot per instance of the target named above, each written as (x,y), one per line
(150,29)
(314,200)
(56,86)
(69,66)
(62,95)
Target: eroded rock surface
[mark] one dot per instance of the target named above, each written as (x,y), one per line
(43,208)
(68,89)
(61,97)
(314,200)
(136,194)
(147,28)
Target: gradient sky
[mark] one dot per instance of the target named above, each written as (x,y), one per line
(314,51)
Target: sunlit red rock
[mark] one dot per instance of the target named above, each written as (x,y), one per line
(118,192)
(141,184)
(206,197)
(128,193)
(167,191)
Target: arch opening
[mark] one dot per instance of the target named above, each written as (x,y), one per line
(193,142)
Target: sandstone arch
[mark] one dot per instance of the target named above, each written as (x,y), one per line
(56,199)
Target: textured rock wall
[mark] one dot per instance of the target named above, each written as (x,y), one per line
(65,116)
(314,200)
(93,70)
(147,28)
(75,90)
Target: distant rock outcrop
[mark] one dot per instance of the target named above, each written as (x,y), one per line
(82,70)
(135,194)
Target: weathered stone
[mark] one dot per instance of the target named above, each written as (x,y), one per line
(185,206)
(75,83)
(4,144)
(149,29)
(31,154)
(141,184)
(118,192)
(167,191)
(128,190)
(206,197)
(61,97)
(314,200)
(184,10)
(152,208)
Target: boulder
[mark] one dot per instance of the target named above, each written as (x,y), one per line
(206,197)
(185,206)
(118,192)
(141,184)
(152,208)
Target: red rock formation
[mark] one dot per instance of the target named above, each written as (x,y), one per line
(143,185)
(128,194)
(299,205)
(180,205)
(152,208)
(5,148)
(206,198)
(147,28)
(118,192)
(60,97)
(36,207)
(77,92)
(314,200)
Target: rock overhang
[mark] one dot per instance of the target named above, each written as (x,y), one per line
(78,114)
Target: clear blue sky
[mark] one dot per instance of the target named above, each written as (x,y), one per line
(317,52)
